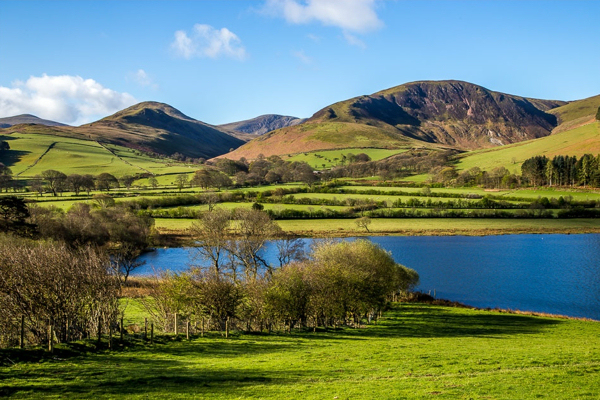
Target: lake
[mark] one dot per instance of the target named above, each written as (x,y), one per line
(558,274)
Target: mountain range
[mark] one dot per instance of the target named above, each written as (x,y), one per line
(430,114)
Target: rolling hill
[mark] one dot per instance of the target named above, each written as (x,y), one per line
(451,114)
(26,119)
(149,126)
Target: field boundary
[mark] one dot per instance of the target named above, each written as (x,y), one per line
(38,159)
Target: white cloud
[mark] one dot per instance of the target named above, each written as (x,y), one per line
(206,41)
(350,15)
(354,41)
(142,78)
(68,99)
(300,55)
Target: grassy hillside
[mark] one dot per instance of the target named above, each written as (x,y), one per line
(31,154)
(574,142)
(150,127)
(577,109)
(416,351)
(316,136)
(331,158)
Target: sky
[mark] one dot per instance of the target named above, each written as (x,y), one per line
(224,61)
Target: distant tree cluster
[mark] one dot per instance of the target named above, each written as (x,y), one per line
(56,182)
(398,166)
(562,171)
(266,171)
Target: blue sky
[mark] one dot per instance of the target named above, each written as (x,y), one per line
(222,61)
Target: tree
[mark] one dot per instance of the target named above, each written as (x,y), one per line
(127,181)
(106,181)
(363,222)
(37,185)
(104,200)
(75,182)
(88,183)
(598,114)
(55,180)
(6,177)
(255,227)
(181,181)
(212,233)
(153,182)
(13,216)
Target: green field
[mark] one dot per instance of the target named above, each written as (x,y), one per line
(575,142)
(31,154)
(330,158)
(416,351)
(416,226)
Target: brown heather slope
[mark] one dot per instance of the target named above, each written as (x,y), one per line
(149,126)
(453,114)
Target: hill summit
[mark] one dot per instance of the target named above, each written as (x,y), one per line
(152,127)
(453,114)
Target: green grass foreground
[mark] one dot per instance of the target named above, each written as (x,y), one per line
(416,351)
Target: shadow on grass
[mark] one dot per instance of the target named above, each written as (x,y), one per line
(12,157)
(177,367)
(151,377)
(426,321)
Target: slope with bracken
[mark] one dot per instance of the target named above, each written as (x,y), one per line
(578,134)
(149,126)
(451,114)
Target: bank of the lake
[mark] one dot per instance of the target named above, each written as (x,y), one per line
(176,227)
(549,273)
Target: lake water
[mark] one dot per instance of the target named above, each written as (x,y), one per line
(558,274)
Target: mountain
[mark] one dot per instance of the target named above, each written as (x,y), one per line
(262,124)
(149,126)
(452,114)
(26,119)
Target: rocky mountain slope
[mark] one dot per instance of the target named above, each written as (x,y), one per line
(262,124)
(454,114)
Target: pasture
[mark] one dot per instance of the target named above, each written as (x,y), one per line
(415,351)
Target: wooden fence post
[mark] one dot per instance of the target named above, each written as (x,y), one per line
(99,333)
(227,328)
(50,334)
(152,333)
(176,333)
(202,332)
(187,330)
(22,339)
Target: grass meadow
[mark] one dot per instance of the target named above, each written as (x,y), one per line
(415,351)
(330,158)
(575,142)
